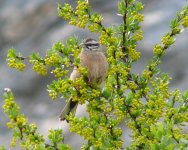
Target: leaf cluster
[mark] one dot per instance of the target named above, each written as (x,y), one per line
(142,102)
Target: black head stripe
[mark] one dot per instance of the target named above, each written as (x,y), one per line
(88,47)
(92,44)
(89,40)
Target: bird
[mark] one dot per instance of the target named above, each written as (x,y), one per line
(94,60)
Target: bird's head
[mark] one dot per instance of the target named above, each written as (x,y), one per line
(91,45)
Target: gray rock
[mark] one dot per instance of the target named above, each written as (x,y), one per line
(34,26)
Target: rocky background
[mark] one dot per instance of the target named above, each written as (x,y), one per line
(34,26)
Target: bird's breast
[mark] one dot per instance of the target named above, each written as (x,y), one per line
(96,64)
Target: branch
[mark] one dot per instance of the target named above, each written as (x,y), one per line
(165,47)
(22,58)
(125,27)
(136,82)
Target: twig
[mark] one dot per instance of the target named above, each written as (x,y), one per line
(125,27)
(22,58)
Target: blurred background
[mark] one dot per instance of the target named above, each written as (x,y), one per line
(33,26)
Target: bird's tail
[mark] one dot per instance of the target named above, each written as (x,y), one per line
(70,107)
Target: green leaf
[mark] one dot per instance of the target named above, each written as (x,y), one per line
(184,141)
(55,135)
(64,147)
(106,93)
(129,97)
(11,53)
(155,147)
(2,148)
(185,95)
(34,57)
(121,7)
(165,77)
(41,146)
(8,94)
(138,6)
(174,23)
(58,46)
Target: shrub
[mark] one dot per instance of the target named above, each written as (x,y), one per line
(142,102)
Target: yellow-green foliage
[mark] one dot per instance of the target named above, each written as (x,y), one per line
(144,103)
(26,133)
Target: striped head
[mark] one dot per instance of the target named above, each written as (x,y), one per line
(91,45)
